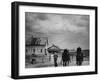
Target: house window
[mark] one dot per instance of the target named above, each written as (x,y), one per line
(33,50)
(41,50)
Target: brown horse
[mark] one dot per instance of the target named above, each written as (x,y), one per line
(65,57)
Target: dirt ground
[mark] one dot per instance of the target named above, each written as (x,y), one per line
(48,61)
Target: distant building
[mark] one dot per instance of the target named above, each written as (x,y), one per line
(36,49)
(54,49)
(37,46)
(85,52)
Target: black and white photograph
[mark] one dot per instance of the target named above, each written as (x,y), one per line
(50,40)
(56,40)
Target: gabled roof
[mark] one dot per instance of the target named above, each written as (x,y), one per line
(54,47)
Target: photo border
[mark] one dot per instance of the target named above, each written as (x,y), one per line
(15,39)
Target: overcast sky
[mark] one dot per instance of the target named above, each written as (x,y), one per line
(64,30)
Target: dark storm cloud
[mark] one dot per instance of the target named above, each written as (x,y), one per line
(32,19)
(42,16)
(63,30)
(84,21)
(79,20)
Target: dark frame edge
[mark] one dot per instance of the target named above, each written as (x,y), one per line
(54,5)
(56,75)
(96,40)
(14,41)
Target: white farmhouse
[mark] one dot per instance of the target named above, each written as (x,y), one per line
(37,46)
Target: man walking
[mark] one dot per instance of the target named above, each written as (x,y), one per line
(55,59)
